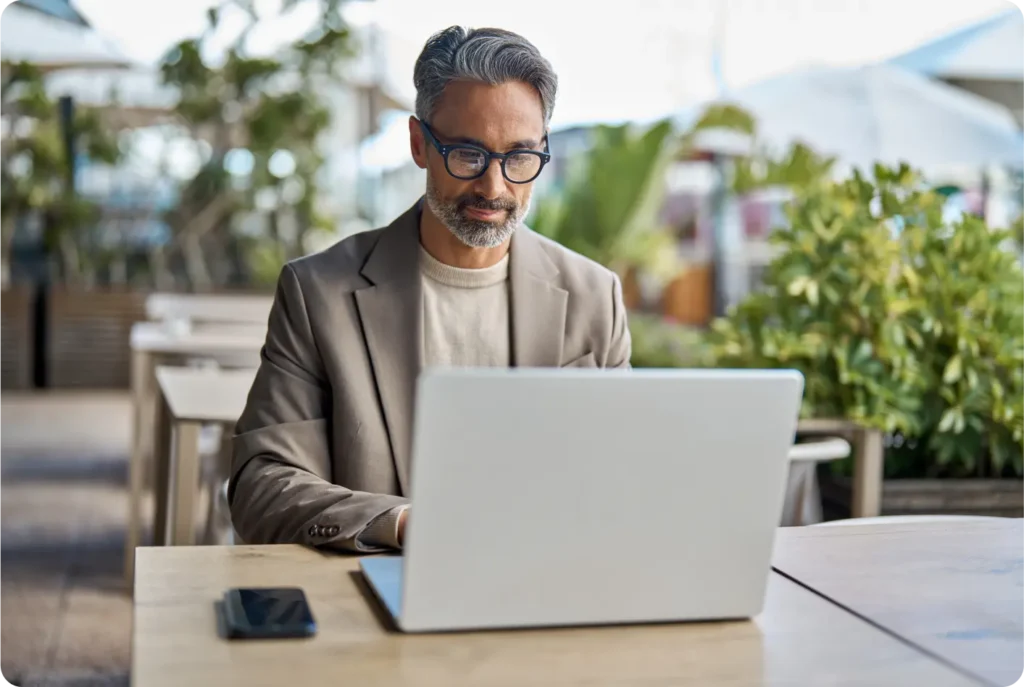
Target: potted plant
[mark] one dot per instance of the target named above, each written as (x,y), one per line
(901,323)
(661,342)
(608,209)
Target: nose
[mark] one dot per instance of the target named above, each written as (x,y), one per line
(492,184)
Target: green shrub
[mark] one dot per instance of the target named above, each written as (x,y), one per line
(897,320)
(661,343)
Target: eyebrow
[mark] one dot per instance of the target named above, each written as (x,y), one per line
(518,145)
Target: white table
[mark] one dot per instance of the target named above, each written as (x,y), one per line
(221,308)
(153,343)
(192,398)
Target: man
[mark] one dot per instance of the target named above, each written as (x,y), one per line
(321,453)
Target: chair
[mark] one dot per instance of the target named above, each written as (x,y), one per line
(803,498)
(216,467)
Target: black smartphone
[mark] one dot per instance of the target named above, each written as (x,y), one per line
(267,613)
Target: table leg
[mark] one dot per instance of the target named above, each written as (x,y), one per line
(162,472)
(185,483)
(141,371)
(869,452)
(218,519)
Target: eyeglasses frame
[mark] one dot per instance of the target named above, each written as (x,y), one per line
(446,149)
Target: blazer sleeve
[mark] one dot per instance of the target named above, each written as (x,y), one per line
(620,350)
(280,490)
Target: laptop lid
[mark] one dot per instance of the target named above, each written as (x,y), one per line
(561,497)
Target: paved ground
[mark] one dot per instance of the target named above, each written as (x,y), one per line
(64,612)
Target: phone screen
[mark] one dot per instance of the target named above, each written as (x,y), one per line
(274,610)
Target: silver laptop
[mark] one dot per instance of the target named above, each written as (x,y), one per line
(558,497)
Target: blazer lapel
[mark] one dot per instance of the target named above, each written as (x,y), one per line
(538,305)
(389,310)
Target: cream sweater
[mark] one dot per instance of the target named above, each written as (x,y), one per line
(465,315)
(465,324)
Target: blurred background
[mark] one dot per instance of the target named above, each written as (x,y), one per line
(834,187)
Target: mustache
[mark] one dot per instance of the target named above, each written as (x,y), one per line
(485,204)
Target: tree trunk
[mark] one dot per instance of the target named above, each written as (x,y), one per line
(71,266)
(7,225)
(195,264)
(304,224)
(190,235)
(274,220)
(163,279)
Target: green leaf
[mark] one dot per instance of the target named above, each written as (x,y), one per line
(797,286)
(863,352)
(812,292)
(953,369)
(899,336)
(915,338)
(726,116)
(612,202)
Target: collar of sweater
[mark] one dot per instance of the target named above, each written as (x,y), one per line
(460,277)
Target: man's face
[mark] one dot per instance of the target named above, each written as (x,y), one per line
(482,212)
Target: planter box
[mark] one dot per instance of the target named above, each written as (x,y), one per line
(995,497)
(87,342)
(632,296)
(17,337)
(689,297)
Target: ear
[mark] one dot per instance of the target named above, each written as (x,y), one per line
(417,143)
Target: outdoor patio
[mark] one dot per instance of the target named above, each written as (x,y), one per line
(67,615)
(828,190)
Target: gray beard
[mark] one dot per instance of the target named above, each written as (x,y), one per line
(474,233)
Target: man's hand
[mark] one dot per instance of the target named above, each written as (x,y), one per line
(402,518)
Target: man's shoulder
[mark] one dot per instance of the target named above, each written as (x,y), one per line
(341,262)
(575,271)
(594,296)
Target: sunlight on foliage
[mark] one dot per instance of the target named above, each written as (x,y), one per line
(897,320)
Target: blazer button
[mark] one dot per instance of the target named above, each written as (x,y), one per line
(332,531)
(321,530)
(312,530)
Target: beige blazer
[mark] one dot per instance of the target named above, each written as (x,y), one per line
(323,445)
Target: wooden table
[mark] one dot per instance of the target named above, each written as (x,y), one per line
(799,638)
(953,589)
(192,398)
(151,344)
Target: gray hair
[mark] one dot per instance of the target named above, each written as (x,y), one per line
(492,56)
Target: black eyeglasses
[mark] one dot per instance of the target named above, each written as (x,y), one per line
(465,161)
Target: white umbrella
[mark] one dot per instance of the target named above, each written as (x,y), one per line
(50,43)
(986,59)
(881,113)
